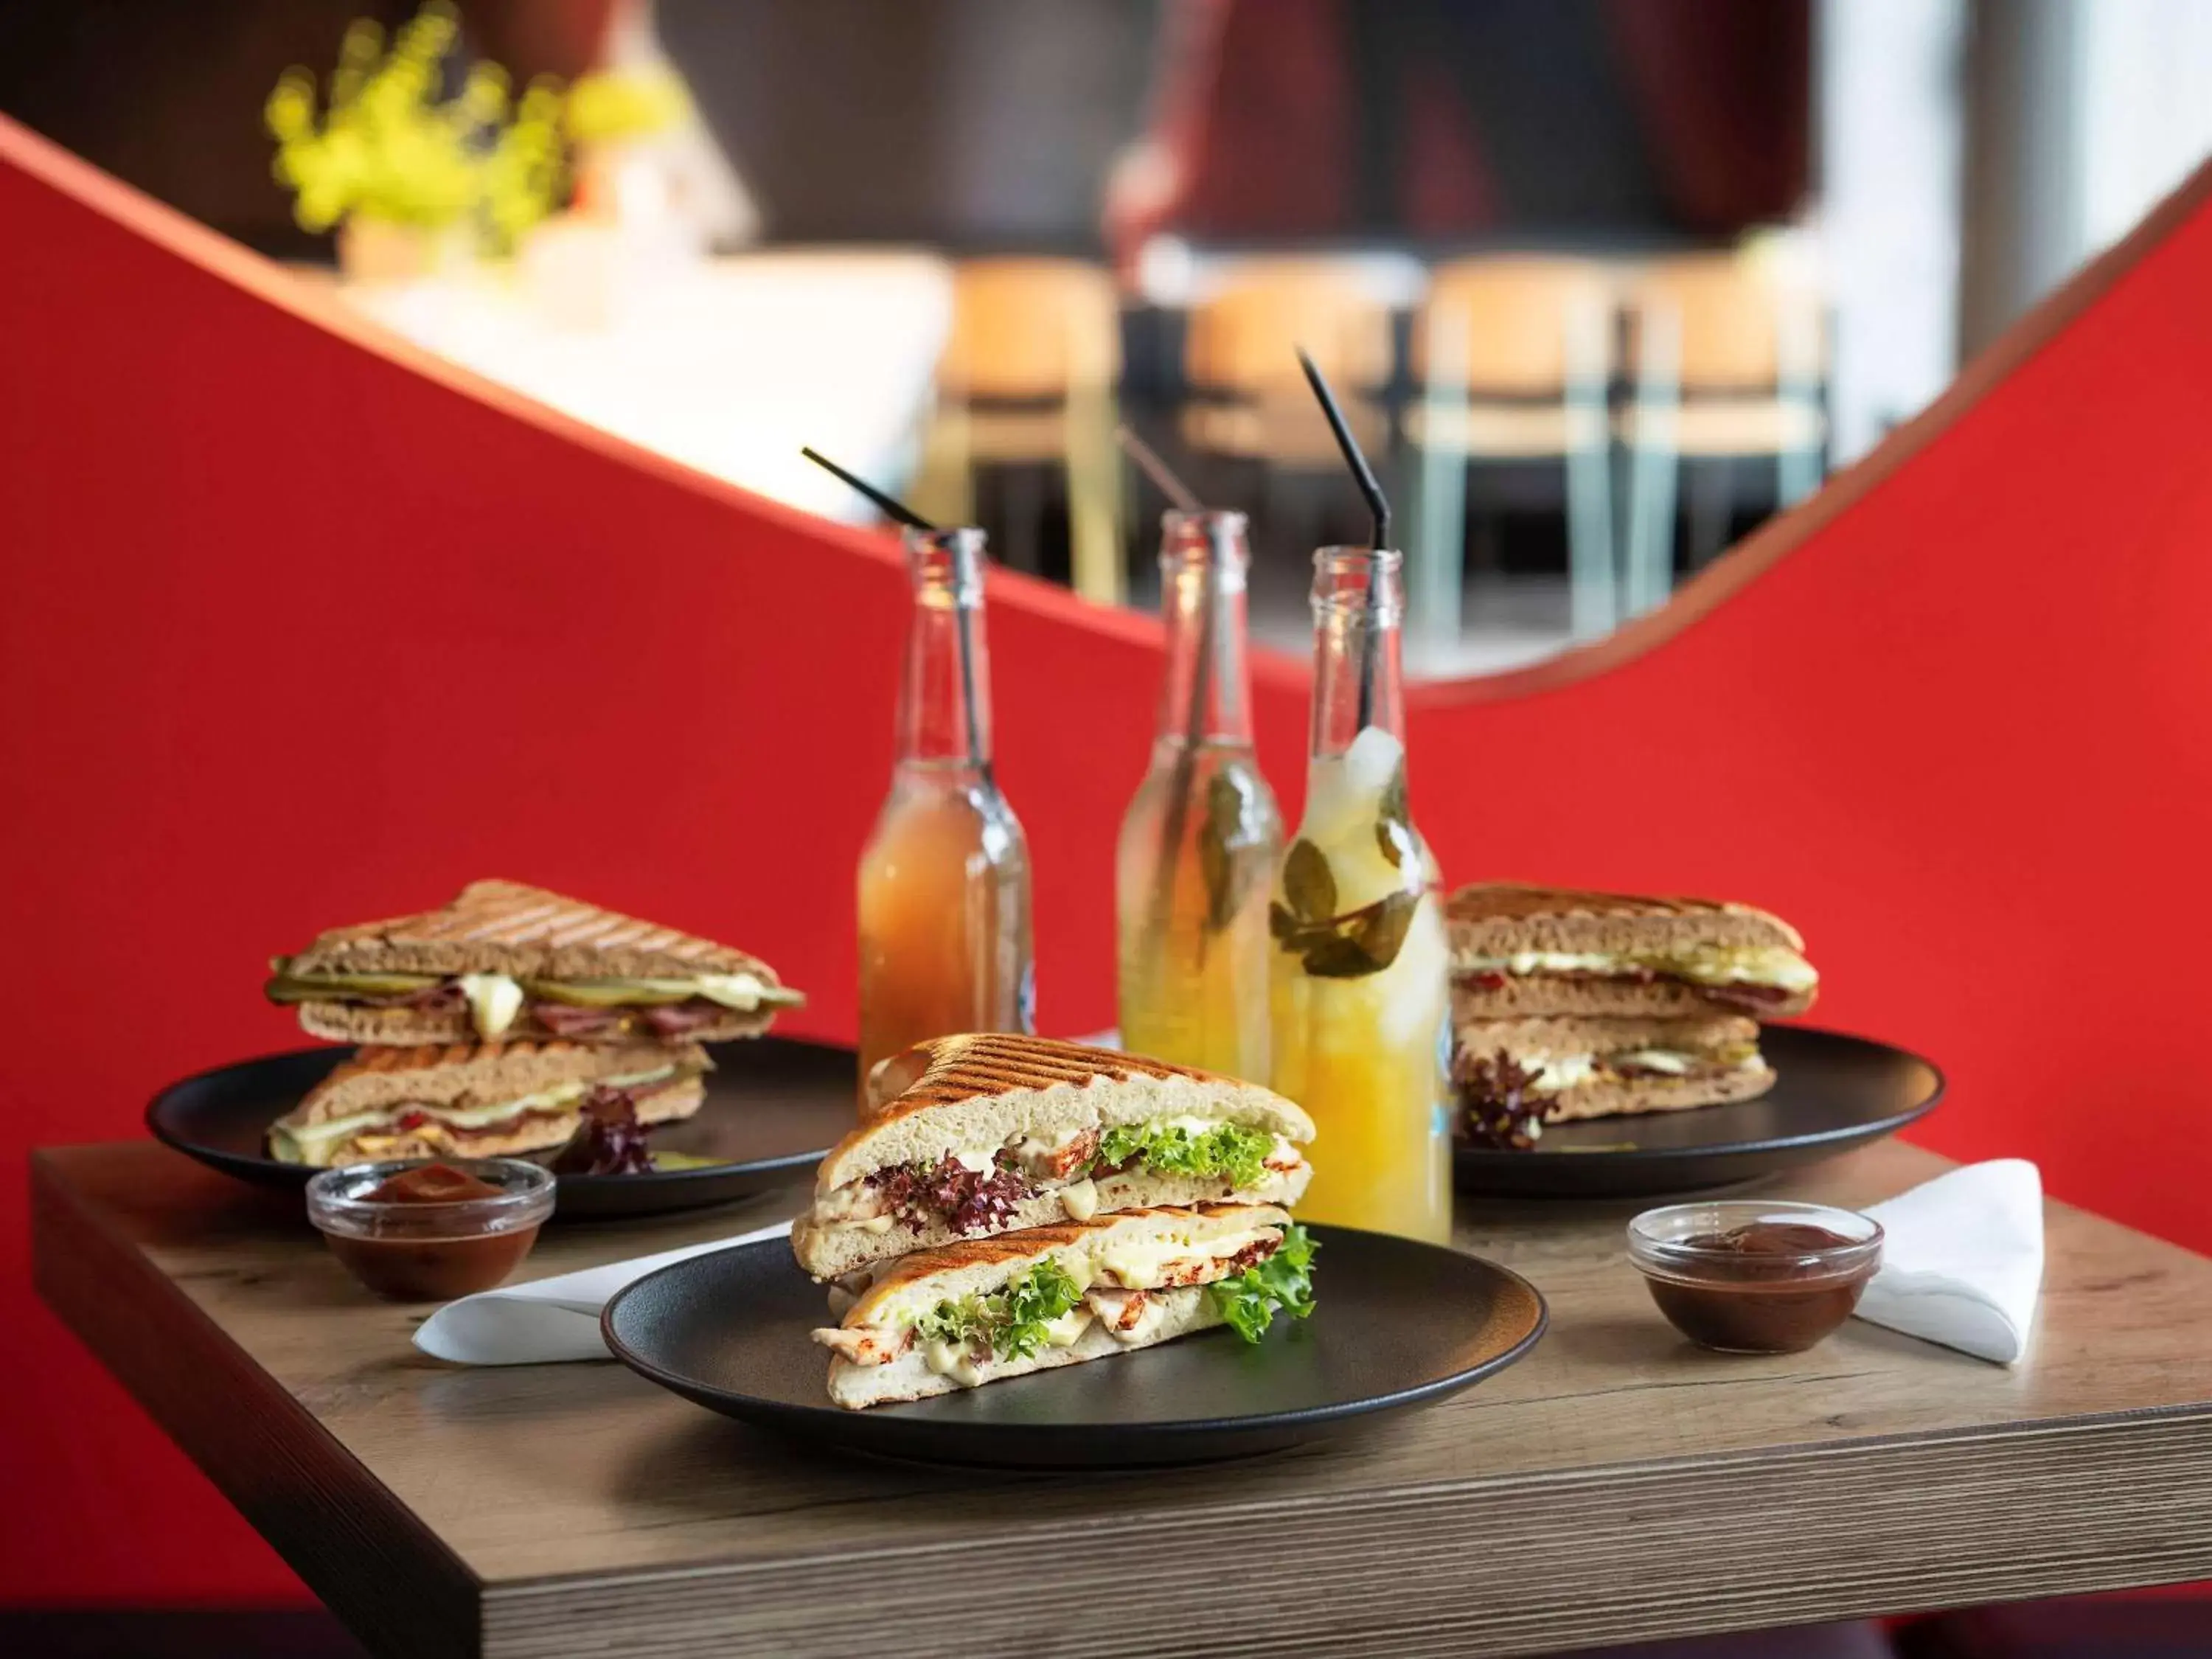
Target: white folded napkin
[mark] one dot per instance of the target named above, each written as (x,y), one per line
(549,1319)
(1962,1260)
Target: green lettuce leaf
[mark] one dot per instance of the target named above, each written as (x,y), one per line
(1284,1281)
(1226,1149)
(1013,1322)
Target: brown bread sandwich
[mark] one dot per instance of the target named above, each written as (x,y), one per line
(1519,952)
(504,961)
(986,1310)
(974,1135)
(488,1100)
(1573,1068)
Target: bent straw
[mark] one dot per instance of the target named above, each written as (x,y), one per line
(1178,493)
(1378,506)
(964,637)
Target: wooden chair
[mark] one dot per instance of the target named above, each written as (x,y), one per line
(1028,376)
(1512,356)
(1726,361)
(1240,360)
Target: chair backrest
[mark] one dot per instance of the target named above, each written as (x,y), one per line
(1243,337)
(1739,323)
(1519,325)
(1030,328)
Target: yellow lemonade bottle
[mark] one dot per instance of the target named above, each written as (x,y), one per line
(1200,839)
(1360,969)
(945,879)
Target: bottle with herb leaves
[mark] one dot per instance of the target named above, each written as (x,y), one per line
(945,940)
(1359,980)
(1200,839)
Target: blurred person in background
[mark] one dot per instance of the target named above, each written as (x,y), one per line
(1437,120)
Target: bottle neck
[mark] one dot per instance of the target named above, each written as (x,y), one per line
(944,698)
(1357,604)
(1206,695)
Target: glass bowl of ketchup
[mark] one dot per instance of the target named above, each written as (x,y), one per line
(1744,1276)
(416,1231)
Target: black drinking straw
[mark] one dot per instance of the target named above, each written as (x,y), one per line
(902,513)
(1378,506)
(892,508)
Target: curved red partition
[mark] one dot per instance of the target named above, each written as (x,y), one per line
(301,625)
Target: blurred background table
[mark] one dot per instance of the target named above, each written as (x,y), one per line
(727,365)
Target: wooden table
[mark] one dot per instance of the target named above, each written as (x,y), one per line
(1617,1484)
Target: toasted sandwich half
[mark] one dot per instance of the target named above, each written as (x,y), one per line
(980,1135)
(990,1309)
(504,961)
(1610,1067)
(467,1101)
(1521,951)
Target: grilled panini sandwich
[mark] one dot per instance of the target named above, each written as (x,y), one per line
(1521,952)
(1607,1068)
(990,1309)
(488,1100)
(504,961)
(974,1135)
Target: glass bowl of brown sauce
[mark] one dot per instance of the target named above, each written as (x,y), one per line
(1747,1276)
(429,1231)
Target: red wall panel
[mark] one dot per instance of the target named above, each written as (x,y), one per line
(298,626)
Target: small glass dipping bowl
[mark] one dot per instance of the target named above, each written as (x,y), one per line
(1748,1276)
(431,1251)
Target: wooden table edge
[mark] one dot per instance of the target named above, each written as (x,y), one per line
(267,1453)
(1946,1525)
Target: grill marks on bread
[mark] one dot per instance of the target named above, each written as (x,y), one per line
(978,1067)
(509,926)
(1501,918)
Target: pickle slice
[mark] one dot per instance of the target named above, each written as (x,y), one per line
(320,987)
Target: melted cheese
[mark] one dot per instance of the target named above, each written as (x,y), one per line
(951,1359)
(1067,1330)
(1655,1060)
(307,1143)
(1775,965)
(1080,1200)
(1135,1264)
(494,1000)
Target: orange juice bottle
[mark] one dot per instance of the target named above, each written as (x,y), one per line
(1360,979)
(1199,842)
(945,879)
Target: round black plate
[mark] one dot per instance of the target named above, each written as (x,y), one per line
(1398,1323)
(1831,1093)
(774,1105)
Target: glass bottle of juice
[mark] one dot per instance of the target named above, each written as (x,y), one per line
(1360,965)
(945,879)
(1199,842)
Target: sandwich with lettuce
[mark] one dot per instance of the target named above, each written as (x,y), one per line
(969,1136)
(487,1100)
(505,962)
(984,1311)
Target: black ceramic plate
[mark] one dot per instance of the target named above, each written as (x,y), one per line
(1397,1324)
(774,1105)
(1831,1093)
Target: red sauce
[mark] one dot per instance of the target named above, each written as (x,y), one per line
(1755,1292)
(419,1256)
(429,1183)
